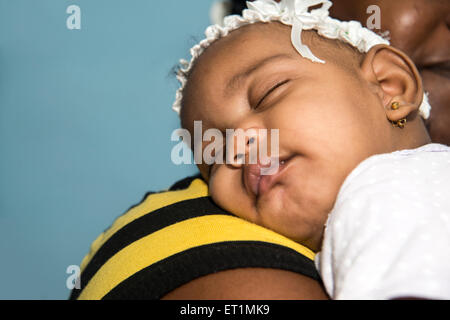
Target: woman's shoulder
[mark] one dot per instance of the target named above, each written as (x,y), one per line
(174,237)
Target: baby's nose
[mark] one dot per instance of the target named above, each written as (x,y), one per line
(243,147)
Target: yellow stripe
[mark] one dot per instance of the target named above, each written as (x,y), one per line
(198,188)
(177,238)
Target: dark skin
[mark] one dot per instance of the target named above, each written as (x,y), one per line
(250,284)
(421,29)
(384,75)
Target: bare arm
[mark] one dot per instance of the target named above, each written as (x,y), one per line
(250,284)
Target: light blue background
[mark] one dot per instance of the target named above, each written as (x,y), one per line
(85,126)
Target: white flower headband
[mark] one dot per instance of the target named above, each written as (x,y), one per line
(296,14)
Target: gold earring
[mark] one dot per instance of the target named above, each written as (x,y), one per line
(399,123)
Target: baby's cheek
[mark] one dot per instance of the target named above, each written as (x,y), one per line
(219,188)
(227,193)
(216,192)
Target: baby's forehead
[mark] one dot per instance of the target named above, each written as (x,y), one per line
(247,41)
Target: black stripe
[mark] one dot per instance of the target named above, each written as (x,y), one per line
(184,183)
(157,280)
(144,226)
(179,185)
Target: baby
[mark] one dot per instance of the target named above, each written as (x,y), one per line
(357,178)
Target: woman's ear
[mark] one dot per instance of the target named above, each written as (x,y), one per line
(394,78)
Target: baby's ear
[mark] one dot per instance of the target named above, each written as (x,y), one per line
(394,77)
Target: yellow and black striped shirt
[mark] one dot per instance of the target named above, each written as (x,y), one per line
(176,236)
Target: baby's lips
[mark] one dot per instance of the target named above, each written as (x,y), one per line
(252,177)
(253,173)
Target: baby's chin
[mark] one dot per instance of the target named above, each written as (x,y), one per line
(283,211)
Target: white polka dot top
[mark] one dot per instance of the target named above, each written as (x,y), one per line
(388,235)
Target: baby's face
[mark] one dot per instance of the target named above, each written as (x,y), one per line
(329,119)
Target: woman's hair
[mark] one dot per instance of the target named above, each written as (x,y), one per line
(237,6)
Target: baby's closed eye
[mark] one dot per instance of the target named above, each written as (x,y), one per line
(266,93)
